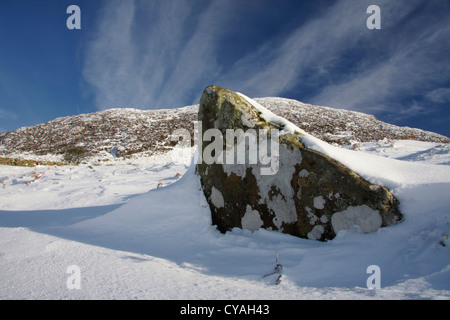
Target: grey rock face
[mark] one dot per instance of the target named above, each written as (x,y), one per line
(310,196)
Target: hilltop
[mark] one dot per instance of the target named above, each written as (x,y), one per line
(127,131)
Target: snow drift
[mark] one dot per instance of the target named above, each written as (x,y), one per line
(158,243)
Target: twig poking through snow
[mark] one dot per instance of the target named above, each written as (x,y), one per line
(444,240)
(277,271)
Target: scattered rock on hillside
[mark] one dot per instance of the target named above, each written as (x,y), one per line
(124,132)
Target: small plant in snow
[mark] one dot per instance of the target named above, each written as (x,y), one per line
(444,240)
(277,271)
(74,155)
(385,142)
(354,145)
(37,175)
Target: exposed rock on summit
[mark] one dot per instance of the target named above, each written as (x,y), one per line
(308,194)
(128,131)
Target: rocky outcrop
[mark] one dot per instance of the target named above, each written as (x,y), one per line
(124,132)
(121,132)
(302,192)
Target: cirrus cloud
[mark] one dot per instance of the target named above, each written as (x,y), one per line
(163,53)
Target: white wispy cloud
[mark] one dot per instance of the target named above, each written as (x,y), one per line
(440,95)
(109,56)
(309,49)
(313,50)
(412,66)
(4,114)
(153,54)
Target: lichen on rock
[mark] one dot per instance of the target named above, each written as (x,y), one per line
(308,194)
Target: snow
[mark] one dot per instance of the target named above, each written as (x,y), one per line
(361,217)
(217,198)
(319,202)
(316,233)
(269,116)
(132,240)
(251,220)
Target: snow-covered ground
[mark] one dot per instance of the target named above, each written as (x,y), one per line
(109,223)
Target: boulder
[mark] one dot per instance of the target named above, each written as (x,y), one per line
(299,191)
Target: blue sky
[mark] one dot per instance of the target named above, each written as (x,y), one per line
(162,53)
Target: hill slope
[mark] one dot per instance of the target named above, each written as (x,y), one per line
(130,238)
(128,131)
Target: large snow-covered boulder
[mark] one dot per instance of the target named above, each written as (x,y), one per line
(280,184)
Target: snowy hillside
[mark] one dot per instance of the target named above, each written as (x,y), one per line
(126,132)
(133,240)
(343,127)
(140,227)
